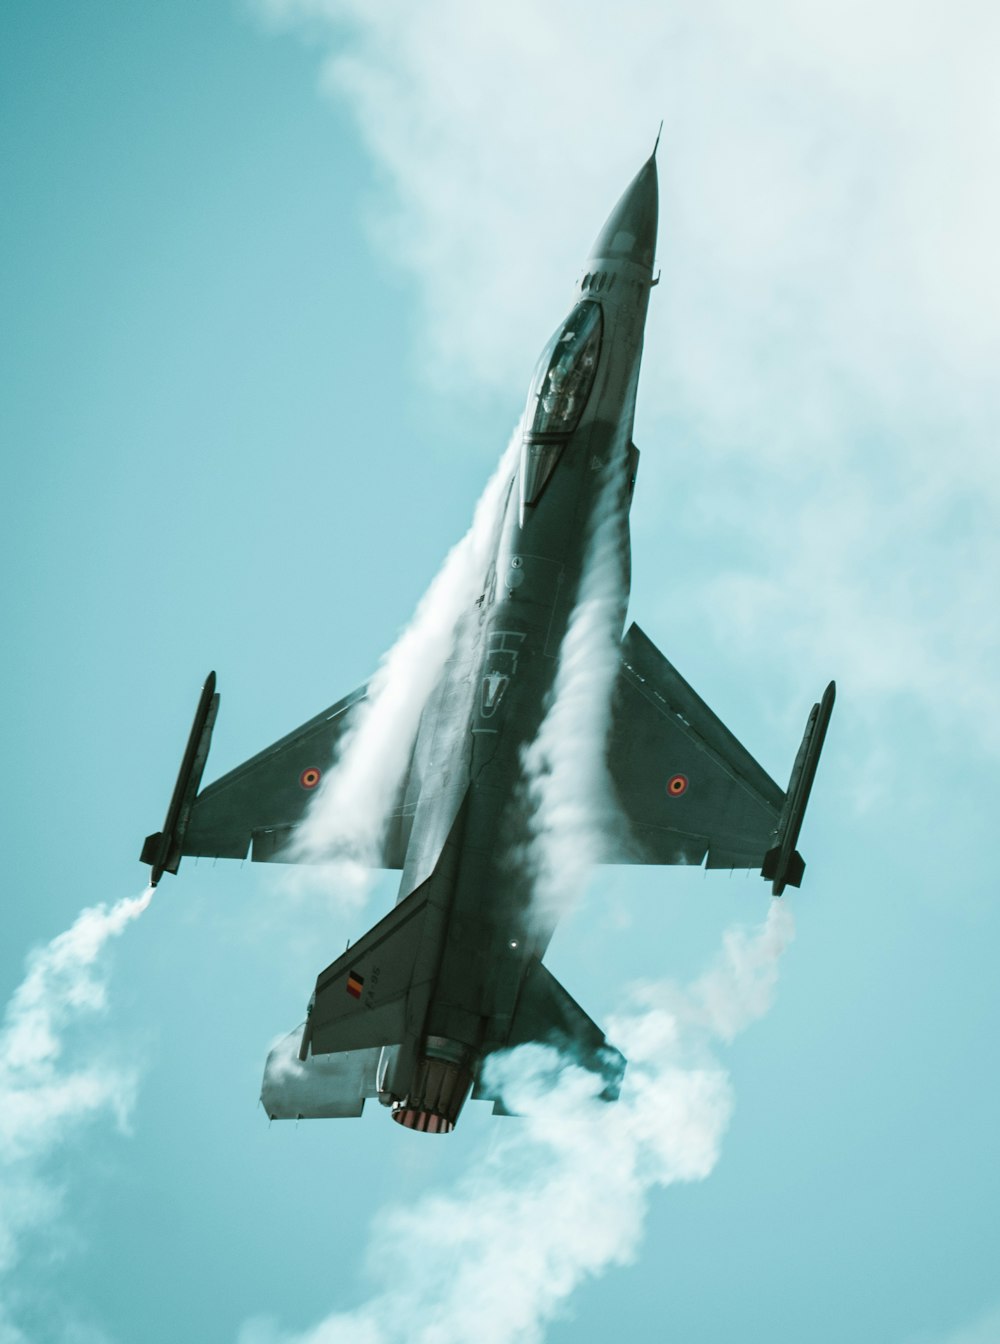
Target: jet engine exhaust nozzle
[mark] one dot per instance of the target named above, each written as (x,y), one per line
(434,1101)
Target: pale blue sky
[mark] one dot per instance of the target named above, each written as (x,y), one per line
(261,347)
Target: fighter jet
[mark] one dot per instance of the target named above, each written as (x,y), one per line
(411,1012)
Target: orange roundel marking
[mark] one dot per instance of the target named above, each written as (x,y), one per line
(310,778)
(676,785)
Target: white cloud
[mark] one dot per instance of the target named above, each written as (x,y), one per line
(895,594)
(562,1195)
(822,349)
(805,149)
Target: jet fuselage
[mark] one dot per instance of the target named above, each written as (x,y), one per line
(468,839)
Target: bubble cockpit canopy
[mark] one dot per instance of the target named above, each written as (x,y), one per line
(563,378)
(565,372)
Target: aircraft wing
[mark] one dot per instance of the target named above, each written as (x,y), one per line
(690,792)
(257,806)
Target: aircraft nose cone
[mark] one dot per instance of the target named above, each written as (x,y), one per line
(630,231)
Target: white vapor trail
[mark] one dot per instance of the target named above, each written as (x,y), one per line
(348,819)
(569,789)
(564,1195)
(45,1095)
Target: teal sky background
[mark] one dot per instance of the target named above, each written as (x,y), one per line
(273,282)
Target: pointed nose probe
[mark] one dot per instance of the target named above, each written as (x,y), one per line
(629,234)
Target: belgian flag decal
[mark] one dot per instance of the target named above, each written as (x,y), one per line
(355,984)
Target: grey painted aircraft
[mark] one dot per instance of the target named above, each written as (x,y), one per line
(454,972)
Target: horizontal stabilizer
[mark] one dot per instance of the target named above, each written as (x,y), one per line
(547,1014)
(322,1087)
(364,998)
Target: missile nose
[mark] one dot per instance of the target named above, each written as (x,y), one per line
(630,231)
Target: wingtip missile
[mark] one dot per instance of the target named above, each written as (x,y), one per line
(783,864)
(162,849)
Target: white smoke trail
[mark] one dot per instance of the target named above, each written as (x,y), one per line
(569,790)
(348,818)
(564,1195)
(44,1096)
